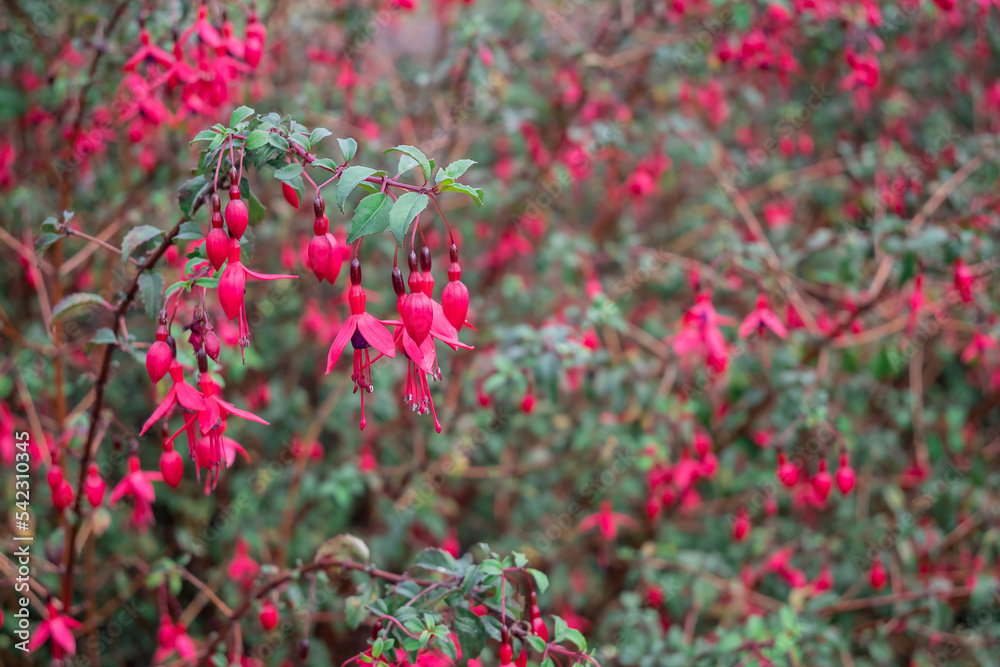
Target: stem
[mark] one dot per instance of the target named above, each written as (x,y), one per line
(95,412)
(451,236)
(107,246)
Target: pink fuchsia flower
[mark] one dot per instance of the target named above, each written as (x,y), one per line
(963,280)
(232,287)
(242,568)
(980,343)
(148,52)
(762,317)
(174,639)
(607,521)
(181,393)
(137,484)
(59,628)
(363,331)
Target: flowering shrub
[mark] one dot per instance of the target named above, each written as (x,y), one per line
(697,348)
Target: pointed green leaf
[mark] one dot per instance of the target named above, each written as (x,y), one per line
(75,302)
(349,147)
(349,180)
(541,580)
(406,208)
(136,237)
(288,172)
(277,141)
(471,633)
(190,195)
(151,291)
(256,139)
(318,134)
(371,216)
(240,115)
(325,163)
(189,231)
(205,135)
(477,194)
(416,154)
(453,170)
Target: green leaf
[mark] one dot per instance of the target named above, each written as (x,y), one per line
(448,648)
(204,135)
(255,209)
(406,163)
(318,134)
(151,291)
(537,643)
(44,241)
(325,163)
(180,284)
(354,609)
(471,633)
(256,139)
(300,139)
(75,302)
(240,115)
(288,172)
(436,560)
(414,153)
(190,195)
(277,141)
(103,336)
(520,560)
(349,180)
(50,224)
(370,217)
(136,237)
(189,231)
(404,210)
(541,580)
(349,148)
(491,567)
(453,171)
(477,194)
(219,138)
(565,633)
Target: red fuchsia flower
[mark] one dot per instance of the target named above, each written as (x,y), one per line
(779,214)
(242,568)
(741,525)
(979,344)
(174,639)
(217,240)
(455,297)
(256,38)
(877,575)
(268,616)
(148,53)
(232,287)
(824,580)
(62,491)
(290,195)
(8,445)
(59,628)
(417,309)
(94,487)
(137,484)
(963,280)
(607,521)
(159,356)
(788,472)
(822,482)
(762,317)
(206,457)
(181,393)
(363,331)
(171,465)
(206,31)
(237,216)
(845,475)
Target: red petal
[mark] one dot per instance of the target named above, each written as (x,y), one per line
(376,334)
(773,323)
(749,324)
(189,397)
(268,276)
(161,409)
(340,342)
(233,410)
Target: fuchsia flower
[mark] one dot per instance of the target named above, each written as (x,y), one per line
(171,639)
(57,627)
(232,287)
(762,317)
(242,568)
(148,53)
(916,301)
(963,280)
(137,484)
(979,344)
(607,521)
(363,331)
(181,394)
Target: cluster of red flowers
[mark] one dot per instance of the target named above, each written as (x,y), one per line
(199,76)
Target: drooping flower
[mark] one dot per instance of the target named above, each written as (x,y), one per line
(232,287)
(181,393)
(363,331)
(57,627)
(762,317)
(137,484)
(607,521)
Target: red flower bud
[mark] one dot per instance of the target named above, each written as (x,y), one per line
(741,526)
(528,403)
(237,216)
(320,256)
(291,196)
(418,315)
(845,476)
(171,466)
(788,473)
(217,247)
(158,360)
(336,259)
(877,575)
(62,496)
(822,482)
(94,486)
(268,616)
(212,347)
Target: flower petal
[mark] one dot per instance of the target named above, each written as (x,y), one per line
(161,409)
(189,397)
(376,334)
(268,276)
(340,342)
(233,410)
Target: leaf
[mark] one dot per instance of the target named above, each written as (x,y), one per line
(50,224)
(219,138)
(491,567)
(349,180)
(349,148)
(76,301)
(414,153)
(406,163)
(404,210)
(436,560)
(300,139)
(471,633)
(180,284)
(354,609)
(103,336)
(256,139)
(541,580)
(277,141)
(204,135)
(240,115)
(189,231)
(325,163)
(537,643)
(151,291)
(565,633)
(477,194)
(255,209)
(448,648)
(344,547)
(44,241)
(190,195)
(136,237)
(318,134)
(453,171)
(288,172)
(370,217)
